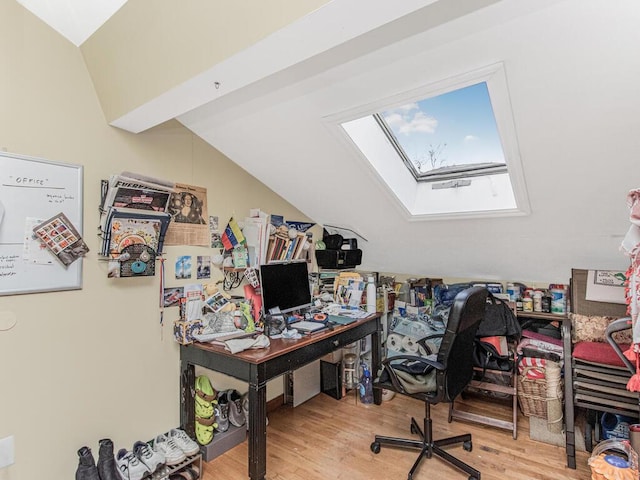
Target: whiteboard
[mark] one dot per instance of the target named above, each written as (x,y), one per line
(32,189)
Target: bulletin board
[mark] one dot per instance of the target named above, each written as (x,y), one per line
(33,190)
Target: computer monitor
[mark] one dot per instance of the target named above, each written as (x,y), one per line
(285,285)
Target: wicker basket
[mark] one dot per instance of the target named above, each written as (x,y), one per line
(542,397)
(532,395)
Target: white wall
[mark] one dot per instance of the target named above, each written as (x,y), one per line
(94,363)
(572,70)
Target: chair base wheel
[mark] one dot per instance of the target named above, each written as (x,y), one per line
(375,447)
(468,446)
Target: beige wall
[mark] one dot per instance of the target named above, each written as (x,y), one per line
(190,37)
(83,365)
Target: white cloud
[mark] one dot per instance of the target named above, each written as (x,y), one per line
(401,121)
(408,124)
(409,107)
(470,138)
(420,123)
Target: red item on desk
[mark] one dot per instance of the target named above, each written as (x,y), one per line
(255,299)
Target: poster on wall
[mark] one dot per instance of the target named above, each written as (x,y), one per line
(189,217)
(32,190)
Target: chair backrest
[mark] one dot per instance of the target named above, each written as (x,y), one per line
(456,350)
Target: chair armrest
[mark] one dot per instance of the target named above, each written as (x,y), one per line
(413,359)
(617,326)
(423,342)
(387,367)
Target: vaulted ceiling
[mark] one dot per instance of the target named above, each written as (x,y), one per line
(266,83)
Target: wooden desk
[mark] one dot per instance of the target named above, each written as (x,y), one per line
(257,367)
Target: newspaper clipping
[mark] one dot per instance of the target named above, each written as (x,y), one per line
(188,209)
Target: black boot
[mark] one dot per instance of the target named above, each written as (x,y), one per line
(107,467)
(87,469)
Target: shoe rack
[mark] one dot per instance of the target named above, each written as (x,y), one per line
(185,469)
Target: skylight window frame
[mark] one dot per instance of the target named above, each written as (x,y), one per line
(446,173)
(411,201)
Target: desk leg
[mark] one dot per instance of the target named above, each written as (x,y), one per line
(569,407)
(257,426)
(376,360)
(187,405)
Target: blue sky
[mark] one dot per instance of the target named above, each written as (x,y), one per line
(459,125)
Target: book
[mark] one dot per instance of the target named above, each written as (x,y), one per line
(277,249)
(270,247)
(290,248)
(302,240)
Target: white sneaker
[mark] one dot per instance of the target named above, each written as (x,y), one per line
(148,456)
(173,454)
(129,466)
(186,444)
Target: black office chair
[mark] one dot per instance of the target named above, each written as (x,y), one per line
(439,377)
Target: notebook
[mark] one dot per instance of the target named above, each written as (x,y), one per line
(340,320)
(305,326)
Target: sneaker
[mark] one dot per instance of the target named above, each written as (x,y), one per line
(186,444)
(245,409)
(222,413)
(130,467)
(236,417)
(173,454)
(151,458)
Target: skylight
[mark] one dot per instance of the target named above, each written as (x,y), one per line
(448,149)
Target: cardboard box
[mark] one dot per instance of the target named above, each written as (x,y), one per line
(333,357)
(183,331)
(223,441)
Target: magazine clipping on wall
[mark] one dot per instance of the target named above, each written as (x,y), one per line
(61,238)
(189,217)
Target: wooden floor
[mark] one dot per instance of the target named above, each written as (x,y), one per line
(326,438)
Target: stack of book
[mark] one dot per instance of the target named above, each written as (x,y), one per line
(285,249)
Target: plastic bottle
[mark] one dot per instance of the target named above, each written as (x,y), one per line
(527,304)
(519,303)
(558,299)
(404,292)
(365,387)
(537,301)
(371,295)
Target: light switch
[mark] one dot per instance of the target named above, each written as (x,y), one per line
(7,451)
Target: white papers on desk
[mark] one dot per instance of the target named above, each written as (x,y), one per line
(221,337)
(342,311)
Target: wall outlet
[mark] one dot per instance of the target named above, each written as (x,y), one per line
(7,451)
